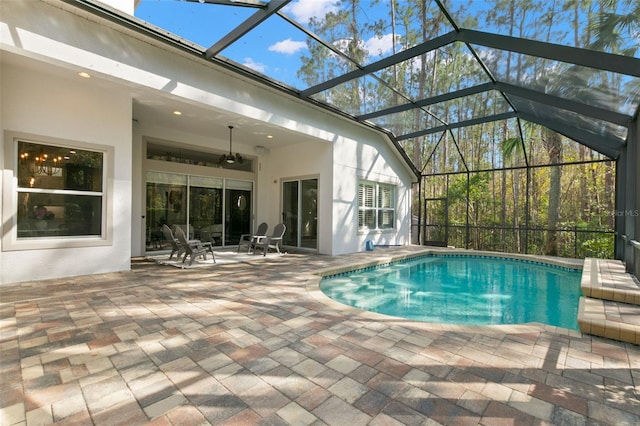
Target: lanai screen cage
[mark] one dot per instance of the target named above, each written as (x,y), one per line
(520,188)
(519,117)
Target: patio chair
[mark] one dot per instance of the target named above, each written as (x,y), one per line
(193,248)
(248,239)
(176,248)
(211,233)
(272,242)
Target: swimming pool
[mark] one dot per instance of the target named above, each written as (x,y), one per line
(462,289)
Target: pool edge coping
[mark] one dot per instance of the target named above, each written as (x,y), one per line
(606,287)
(575,264)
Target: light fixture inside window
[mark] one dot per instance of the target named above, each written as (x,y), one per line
(230,158)
(84,74)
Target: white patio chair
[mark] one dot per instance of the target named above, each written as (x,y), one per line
(270,242)
(248,239)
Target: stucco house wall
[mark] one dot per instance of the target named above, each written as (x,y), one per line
(356,159)
(42,106)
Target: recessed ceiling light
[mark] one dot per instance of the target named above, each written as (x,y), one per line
(177,113)
(84,74)
(269,136)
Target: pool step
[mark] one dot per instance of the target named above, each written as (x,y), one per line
(611,304)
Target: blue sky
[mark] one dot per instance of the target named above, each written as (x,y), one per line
(274,49)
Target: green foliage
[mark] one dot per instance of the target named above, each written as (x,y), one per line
(599,246)
(510,146)
(478,185)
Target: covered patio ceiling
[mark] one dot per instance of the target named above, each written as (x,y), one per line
(415,68)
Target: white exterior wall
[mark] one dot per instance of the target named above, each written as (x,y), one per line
(364,155)
(50,106)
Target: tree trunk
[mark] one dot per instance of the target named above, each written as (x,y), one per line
(503,211)
(516,221)
(609,186)
(585,214)
(553,143)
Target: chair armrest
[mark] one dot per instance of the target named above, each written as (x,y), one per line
(260,239)
(206,245)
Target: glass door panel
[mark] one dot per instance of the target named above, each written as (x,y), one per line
(166,204)
(238,210)
(205,209)
(290,212)
(300,213)
(309,214)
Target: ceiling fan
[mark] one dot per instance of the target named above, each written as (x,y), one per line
(231,158)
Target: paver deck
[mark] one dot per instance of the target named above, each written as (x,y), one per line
(253,343)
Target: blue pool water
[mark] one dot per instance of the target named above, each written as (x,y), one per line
(468,290)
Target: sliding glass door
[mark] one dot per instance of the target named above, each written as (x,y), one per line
(300,213)
(206,208)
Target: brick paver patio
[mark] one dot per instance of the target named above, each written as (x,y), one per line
(248,343)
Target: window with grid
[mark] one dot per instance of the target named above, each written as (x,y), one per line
(376,205)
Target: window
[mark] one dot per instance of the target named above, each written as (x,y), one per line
(376,205)
(60,192)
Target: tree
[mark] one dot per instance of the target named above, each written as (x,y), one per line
(511,147)
(553,144)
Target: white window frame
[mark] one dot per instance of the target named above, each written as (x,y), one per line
(10,240)
(377,206)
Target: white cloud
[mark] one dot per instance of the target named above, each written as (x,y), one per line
(375,46)
(256,66)
(303,10)
(378,46)
(288,46)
